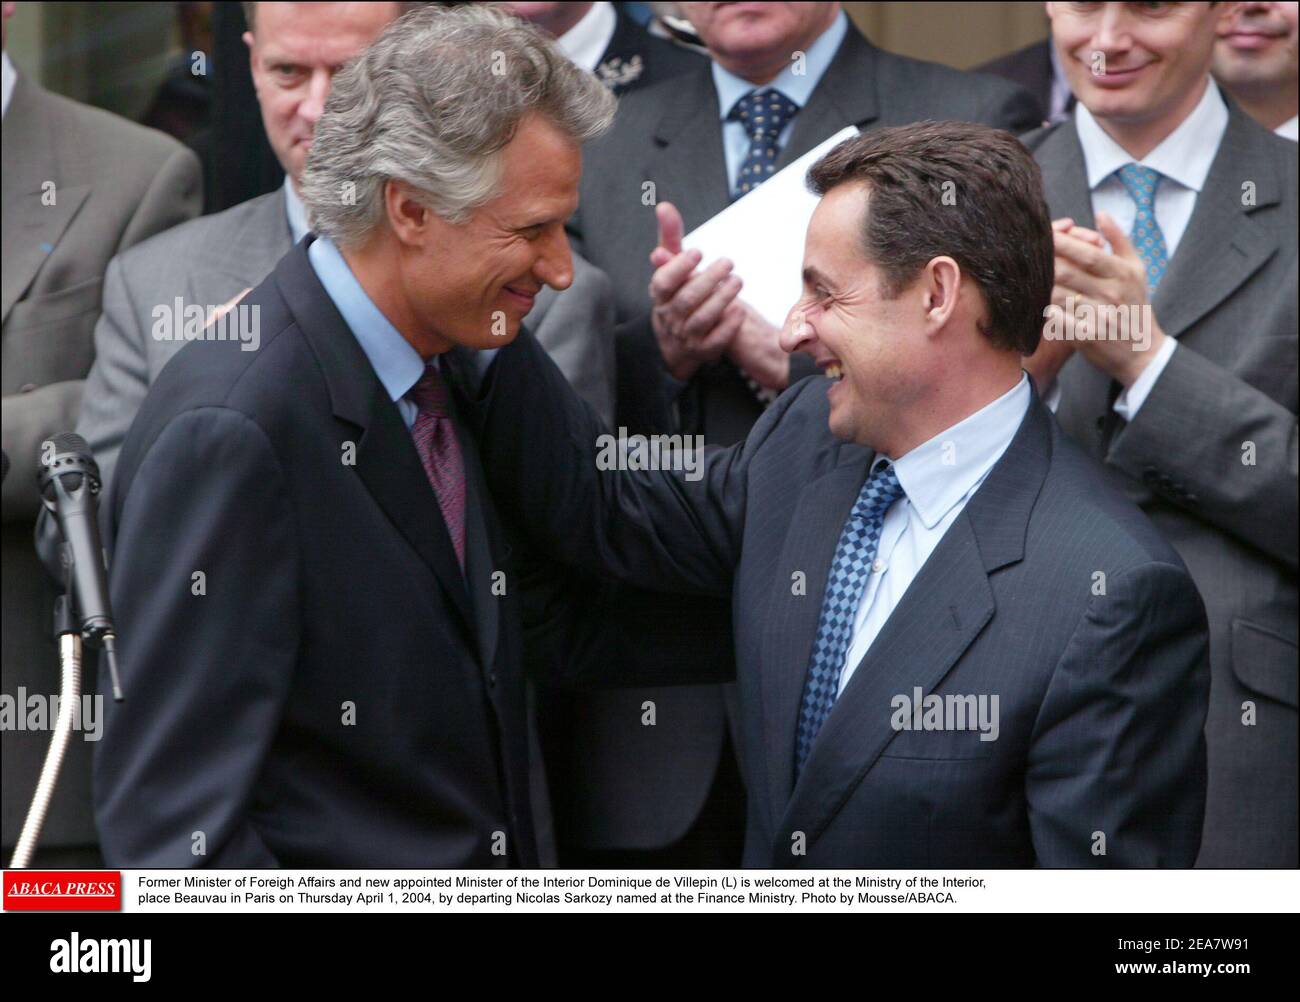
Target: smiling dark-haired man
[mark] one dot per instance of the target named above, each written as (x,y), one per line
(956,645)
(1195,420)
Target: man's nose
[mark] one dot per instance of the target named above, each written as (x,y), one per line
(1112,34)
(555,265)
(318,89)
(797,334)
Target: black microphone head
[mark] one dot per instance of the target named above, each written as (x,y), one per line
(67,455)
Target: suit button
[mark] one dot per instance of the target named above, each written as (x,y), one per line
(492,679)
(1191,499)
(28,387)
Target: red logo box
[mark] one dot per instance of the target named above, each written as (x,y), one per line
(63,891)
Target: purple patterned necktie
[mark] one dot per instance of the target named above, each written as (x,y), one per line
(435,440)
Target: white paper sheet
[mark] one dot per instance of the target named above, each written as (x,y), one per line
(763,233)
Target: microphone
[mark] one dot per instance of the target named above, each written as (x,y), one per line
(69,484)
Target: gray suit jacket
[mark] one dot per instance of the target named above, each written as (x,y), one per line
(1101,682)
(211,260)
(79,186)
(1211,458)
(645,786)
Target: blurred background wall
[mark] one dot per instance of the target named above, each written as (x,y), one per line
(116,55)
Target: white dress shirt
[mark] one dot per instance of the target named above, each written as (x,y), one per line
(587,40)
(8,77)
(1290,129)
(1183,159)
(939,477)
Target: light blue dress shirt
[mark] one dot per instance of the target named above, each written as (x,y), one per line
(798,87)
(940,476)
(397,364)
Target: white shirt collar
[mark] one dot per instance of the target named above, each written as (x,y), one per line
(8,77)
(1185,155)
(937,474)
(587,40)
(295,211)
(1290,129)
(798,87)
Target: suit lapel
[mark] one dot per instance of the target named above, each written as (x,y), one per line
(945,608)
(1223,246)
(687,164)
(845,95)
(820,513)
(942,612)
(386,458)
(30,163)
(1065,176)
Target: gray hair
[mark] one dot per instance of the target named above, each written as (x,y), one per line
(433,102)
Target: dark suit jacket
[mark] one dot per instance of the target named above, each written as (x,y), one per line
(339,695)
(1229,297)
(646,786)
(1102,690)
(635,58)
(1030,68)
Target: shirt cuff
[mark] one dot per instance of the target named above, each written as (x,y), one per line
(1131,400)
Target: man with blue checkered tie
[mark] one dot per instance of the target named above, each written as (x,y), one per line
(1171,201)
(955,643)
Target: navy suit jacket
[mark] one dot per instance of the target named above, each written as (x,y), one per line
(1051,591)
(310,680)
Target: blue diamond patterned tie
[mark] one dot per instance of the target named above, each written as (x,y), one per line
(763,113)
(1140,182)
(850,571)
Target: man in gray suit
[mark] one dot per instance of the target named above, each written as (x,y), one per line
(956,644)
(80,185)
(657,789)
(1195,416)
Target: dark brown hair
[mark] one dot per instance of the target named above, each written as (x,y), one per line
(969,192)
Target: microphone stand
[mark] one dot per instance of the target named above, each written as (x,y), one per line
(68,636)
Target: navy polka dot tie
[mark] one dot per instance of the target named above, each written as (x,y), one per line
(1147,237)
(763,113)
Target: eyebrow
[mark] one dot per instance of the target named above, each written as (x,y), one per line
(811,276)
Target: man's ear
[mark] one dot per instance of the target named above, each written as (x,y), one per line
(940,288)
(408,217)
(247,38)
